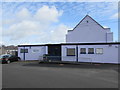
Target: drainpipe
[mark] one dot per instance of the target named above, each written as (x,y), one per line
(24,54)
(76,53)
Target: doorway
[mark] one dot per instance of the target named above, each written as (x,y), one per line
(54,52)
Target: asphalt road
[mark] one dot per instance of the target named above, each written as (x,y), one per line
(34,75)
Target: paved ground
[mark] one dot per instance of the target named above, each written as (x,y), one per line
(34,75)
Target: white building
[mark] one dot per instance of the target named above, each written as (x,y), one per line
(87,42)
(88,30)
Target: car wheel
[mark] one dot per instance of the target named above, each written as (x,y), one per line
(8,61)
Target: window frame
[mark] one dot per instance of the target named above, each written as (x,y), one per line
(83,52)
(23,50)
(91,52)
(68,53)
(96,50)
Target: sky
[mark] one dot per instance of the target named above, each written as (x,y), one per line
(48,22)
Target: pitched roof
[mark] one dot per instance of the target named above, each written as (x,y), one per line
(83,19)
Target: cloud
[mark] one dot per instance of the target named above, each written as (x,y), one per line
(1,32)
(1,43)
(56,34)
(46,14)
(23,14)
(59,33)
(115,16)
(21,30)
(38,26)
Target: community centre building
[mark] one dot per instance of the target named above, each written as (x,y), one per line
(87,42)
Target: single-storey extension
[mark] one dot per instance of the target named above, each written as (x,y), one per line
(75,52)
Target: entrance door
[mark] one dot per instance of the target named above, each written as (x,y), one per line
(54,51)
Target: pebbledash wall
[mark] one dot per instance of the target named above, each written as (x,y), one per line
(87,34)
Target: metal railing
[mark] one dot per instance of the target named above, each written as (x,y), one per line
(65,58)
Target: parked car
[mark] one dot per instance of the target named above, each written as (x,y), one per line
(8,58)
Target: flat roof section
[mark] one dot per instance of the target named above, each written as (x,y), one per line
(71,44)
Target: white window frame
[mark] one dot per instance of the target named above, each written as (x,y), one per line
(99,52)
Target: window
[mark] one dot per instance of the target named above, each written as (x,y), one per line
(90,50)
(35,51)
(83,51)
(99,50)
(21,50)
(24,51)
(70,51)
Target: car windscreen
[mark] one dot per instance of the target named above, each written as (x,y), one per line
(5,56)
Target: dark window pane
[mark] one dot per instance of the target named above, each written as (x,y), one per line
(24,51)
(70,51)
(83,51)
(90,50)
(21,50)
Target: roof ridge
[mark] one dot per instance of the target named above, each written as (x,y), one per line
(91,18)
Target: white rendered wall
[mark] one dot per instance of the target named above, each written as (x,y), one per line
(20,54)
(110,54)
(110,37)
(64,53)
(33,55)
(89,32)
